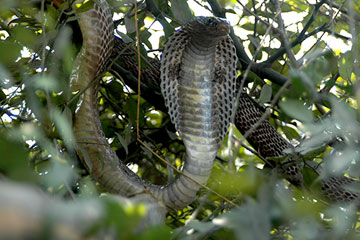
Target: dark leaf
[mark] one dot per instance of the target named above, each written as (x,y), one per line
(265,94)
(181,10)
(296,109)
(14,160)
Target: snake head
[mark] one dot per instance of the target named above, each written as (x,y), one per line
(210,26)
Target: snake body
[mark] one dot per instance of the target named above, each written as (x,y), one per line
(93,149)
(197,82)
(195,87)
(270,143)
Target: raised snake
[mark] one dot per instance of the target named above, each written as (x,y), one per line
(97,29)
(197,89)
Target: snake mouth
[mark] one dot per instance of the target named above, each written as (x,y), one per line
(223,27)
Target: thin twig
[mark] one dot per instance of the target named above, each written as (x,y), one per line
(253,152)
(284,38)
(256,19)
(300,37)
(323,34)
(43,54)
(139,74)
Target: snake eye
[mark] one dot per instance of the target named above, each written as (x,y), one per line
(211,22)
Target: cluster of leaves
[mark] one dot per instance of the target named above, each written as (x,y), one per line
(39,40)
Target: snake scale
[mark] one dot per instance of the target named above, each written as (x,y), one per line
(197,80)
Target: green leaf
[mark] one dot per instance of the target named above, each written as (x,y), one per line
(286,8)
(309,176)
(168,28)
(14,160)
(10,51)
(147,151)
(84,6)
(254,45)
(297,88)
(130,25)
(157,232)
(16,101)
(6,79)
(265,94)
(2,95)
(131,110)
(144,37)
(291,133)
(297,110)
(24,35)
(250,221)
(119,218)
(248,26)
(346,66)
(252,77)
(116,89)
(63,123)
(60,173)
(125,141)
(229,10)
(202,227)
(332,62)
(231,184)
(299,6)
(311,180)
(253,49)
(181,10)
(320,66)
(45,82)
(172,135)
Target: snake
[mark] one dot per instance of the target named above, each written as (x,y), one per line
(198,85)
(197,78)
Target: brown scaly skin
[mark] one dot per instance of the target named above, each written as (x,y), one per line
(269,143)
(97,29)
(101,161)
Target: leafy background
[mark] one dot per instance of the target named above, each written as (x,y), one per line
(51,195)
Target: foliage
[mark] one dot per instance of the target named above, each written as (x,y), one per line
(38,43)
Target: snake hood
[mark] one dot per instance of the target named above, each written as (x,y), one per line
(200,58)
(209,27)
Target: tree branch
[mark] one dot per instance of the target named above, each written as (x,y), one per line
(151,6)
(301,37)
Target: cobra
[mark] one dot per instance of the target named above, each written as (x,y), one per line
(214,93)
(198,92)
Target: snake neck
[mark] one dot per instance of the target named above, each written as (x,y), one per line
(197,69)
(197,125)
(205,43)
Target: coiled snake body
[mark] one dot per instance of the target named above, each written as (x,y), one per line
(198,91)
(197,81)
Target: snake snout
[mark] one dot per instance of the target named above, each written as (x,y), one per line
(223,27)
